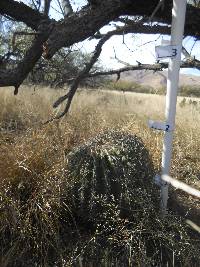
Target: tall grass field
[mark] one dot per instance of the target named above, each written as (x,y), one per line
(40,224)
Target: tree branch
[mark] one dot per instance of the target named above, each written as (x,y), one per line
(83,74)
(21,12)
(136,27)
(85,23)
(15,77)
(47,4)
(67,8)
(190,63)
(159,5)
(79,26)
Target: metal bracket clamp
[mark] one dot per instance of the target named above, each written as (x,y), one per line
(157,125)
(158,181)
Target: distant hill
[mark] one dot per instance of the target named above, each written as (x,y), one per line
(158,79)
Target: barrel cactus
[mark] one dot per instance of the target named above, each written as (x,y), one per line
(112,167)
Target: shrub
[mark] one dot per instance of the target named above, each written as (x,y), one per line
(191,91)
(122,85)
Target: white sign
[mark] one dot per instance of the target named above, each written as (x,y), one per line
(159,125)
(166,51)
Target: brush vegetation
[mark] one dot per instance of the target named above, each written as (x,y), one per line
(60,198)
(130,86)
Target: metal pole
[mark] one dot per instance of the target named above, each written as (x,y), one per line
(178,21)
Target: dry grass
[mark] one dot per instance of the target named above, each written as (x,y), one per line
(91,113)
(32,155)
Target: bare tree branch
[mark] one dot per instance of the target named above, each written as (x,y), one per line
(159,5)
(37,7)
(190,63)
(67,8)
(84,24)
(47,4)
(21,12)
(119,60)
(88,21)
(15,77)
(136,27)
(84,73)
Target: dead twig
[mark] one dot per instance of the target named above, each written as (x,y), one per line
(159,5)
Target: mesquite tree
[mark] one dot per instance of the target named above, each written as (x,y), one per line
(49,35)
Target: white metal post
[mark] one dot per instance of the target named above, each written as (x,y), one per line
(178,21)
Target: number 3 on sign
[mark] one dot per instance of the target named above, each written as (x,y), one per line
(166,51)
(174,52)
